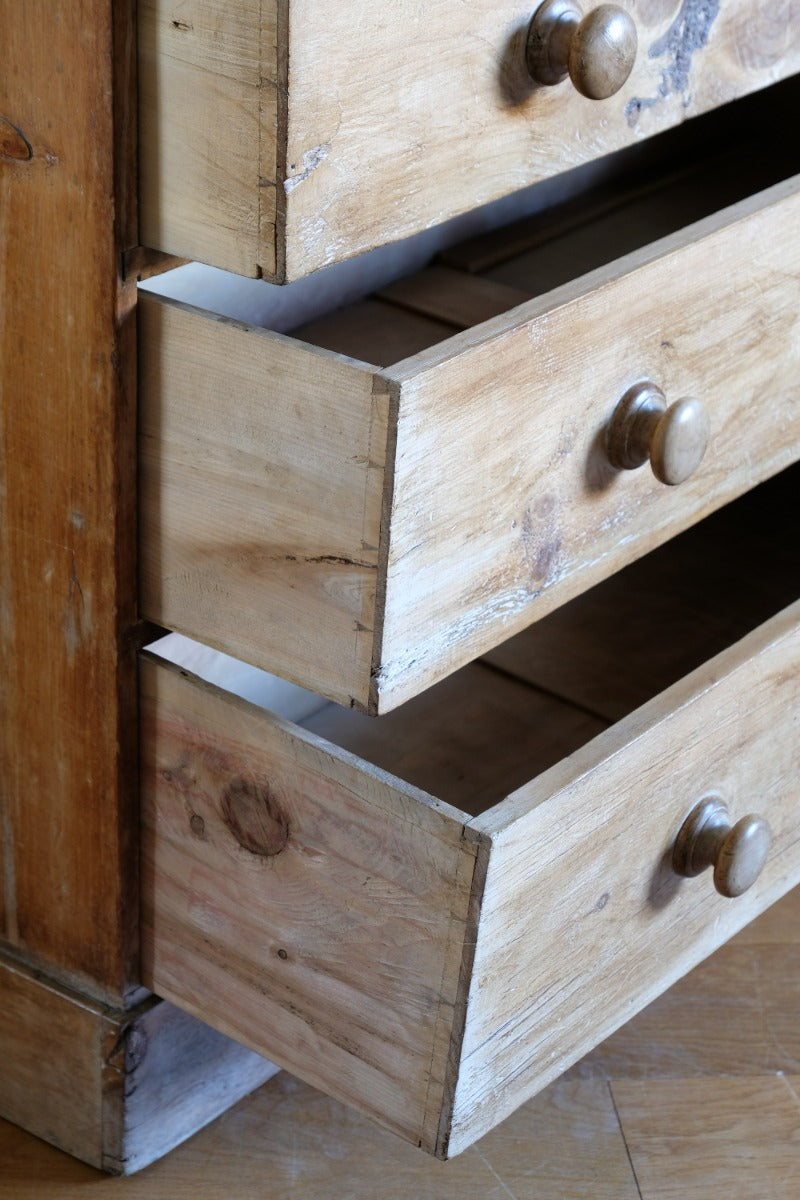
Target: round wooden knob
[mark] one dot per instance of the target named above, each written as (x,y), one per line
(674,438)
(597,51)
(736,852)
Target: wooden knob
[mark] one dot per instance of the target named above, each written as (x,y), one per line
(736,852)
(674,438)
(597,51)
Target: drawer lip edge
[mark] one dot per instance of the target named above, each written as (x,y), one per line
(409,370)
(499,822)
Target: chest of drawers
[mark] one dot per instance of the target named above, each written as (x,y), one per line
(543,687)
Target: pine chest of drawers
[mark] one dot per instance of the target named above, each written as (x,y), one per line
(431,913)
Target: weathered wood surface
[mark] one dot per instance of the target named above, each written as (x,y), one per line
(639,631)
(583,921)
(503,503)
(300,901)
(347,127)
(469,740)
(209,103)
(67,493)
(261,481)
(488,448)
(114,1088)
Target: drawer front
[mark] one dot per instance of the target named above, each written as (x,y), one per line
(365,532)
(276,139)
(430,968)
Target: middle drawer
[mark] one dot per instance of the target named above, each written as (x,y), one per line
(369,504)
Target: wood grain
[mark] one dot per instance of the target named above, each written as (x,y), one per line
(639,631)
(67,498)
(208,97)
(707,1138)
(597,832)
(470,740)
(306,1145)
(309,906)
(364,128)
(566,1142)
(261,490)
(498,500)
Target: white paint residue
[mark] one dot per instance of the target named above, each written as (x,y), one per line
(311,160)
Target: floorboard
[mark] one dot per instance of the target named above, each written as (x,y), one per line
(698,1097)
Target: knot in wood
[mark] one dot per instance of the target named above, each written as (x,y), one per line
(253,816)
(14,146)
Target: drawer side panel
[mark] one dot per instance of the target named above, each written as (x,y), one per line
(504,503)
(208,126)
(261,484)
(583,920)
(300,902)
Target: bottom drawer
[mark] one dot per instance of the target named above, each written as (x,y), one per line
(432,914)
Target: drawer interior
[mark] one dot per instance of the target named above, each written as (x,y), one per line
(492,726)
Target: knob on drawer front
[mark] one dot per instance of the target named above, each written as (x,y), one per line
(673,437)
(597,51)
(736,852)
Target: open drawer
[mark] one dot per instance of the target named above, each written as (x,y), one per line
(370,503)
(277,136)
(432,914)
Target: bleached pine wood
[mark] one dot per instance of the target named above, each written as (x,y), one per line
(261,484)
(579,916)
(300,901)
(394,120)
(208,124)
(640,630)
(498,501)
(504,505)
(583,921)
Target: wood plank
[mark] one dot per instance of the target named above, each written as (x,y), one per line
(115,1089)
(308,1146)
(441,292)
(208,79)
(250,110)
(308,906)
(261,482)
(744,995)
(707,1138)
(67,500)
(741,985)
(375,332)
(597,832)
(478,554)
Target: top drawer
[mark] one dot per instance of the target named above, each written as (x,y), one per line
(280,137)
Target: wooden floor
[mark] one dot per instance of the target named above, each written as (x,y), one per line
(697,1098)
